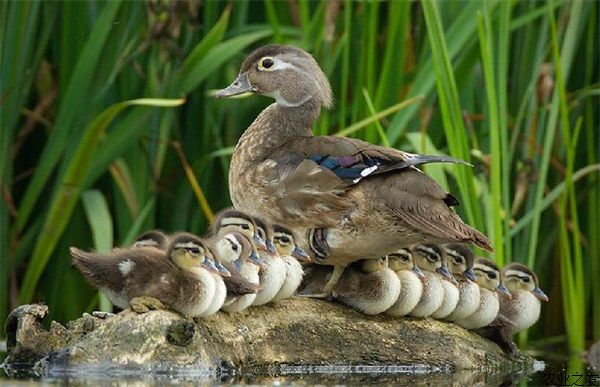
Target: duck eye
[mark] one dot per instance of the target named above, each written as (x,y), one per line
(526,280)
(266,63)
(194,250)
(404,258)
(285,240)
(234,247)
(491,275)
(245,226)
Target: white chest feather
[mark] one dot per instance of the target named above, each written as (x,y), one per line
(411,288)
(382,293)
(218,298)
(432,297)
(451,295)
(249,272)
(272,276)
(524,309)
(468,301)
(293,278)
(486,311)
(194,305)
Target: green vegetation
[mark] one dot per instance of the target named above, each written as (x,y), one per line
(95,147)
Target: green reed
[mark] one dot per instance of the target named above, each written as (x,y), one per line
(509,86)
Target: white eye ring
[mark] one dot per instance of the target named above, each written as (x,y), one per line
(266,63)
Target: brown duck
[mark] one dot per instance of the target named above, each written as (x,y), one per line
(350,199)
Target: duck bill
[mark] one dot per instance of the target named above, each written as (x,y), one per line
(503,290)
(271,247)
(540,294)
(210,265)
(255,259)
(241,85)
(469,274)
(445,272)
(222,270)
(418,272)
(300,254)
(260,243)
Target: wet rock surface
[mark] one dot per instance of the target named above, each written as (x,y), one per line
(296,336)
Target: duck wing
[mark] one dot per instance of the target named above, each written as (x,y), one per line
(350,159)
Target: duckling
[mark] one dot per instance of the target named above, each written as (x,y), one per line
(460,262)
(248,265)
(273,273)
(290,253)
(183,281)
(411,285)
(153,238)
(489,279)
(429,258)
(228,249)
(368,286)
(230,220)
(451,293)
(523,308)
(347,199)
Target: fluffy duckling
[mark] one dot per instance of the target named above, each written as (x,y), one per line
(411,286)
(290,253)
(368,286)
(460,262)
(182,282)
(273,273)
(489,279)
(153,238)
(248,266)
(523,308)
(429,258)
(451,293)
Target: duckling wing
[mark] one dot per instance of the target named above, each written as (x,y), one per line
(102,270)
(238,286)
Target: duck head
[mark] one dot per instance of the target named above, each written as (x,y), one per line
(154,238)
(231,220)
(432,258)
(190,253)
(288,74)
(265,232)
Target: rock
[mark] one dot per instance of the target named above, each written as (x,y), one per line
(296,335)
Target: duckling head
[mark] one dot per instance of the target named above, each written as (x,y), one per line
(153,238)
(265,232)
(488,275)
(431,258)
(373,265)
(231,220)
(288,74)
(404,260)
(286,244)
(247,252)
(519,277)
(190,253)
(460,260)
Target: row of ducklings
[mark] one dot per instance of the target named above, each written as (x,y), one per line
(243,262)
(445,282)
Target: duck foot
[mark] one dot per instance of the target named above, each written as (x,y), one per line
(145,304)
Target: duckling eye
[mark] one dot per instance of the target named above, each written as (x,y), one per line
(432,257)
(266,63)
(284,240)
(526,280)
(234,247)
(194,250)
(491,275)
(404,258)
(458,259)
(245,226)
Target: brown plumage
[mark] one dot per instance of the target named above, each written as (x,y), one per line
(363,200)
